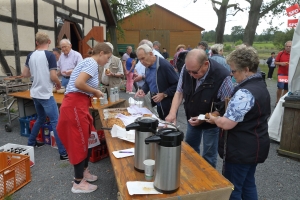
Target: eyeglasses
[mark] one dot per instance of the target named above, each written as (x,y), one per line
(194,72)
(233,71)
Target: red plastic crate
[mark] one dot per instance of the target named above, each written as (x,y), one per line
(40,134)
(99,152)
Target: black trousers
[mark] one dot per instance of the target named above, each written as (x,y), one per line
(79,168)
(270,73)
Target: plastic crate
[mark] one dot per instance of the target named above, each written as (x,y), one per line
(13,148)
(39,137)
(14,172)
(99,152)
(46,129)
(25,125)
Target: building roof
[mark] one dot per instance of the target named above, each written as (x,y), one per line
(153,5)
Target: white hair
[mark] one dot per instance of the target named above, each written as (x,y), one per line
(217,48)
(144,47)
(65,40)
(145,41)
(110,45)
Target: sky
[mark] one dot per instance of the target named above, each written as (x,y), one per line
(202,14)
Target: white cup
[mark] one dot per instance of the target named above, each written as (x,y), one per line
(102,100)
(149,169)
(95,99)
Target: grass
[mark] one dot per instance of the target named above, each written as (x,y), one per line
(265,69)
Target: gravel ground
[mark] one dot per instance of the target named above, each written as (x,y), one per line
(277,178)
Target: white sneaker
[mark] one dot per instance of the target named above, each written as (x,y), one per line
(269,78)
(83,187)
(88,176)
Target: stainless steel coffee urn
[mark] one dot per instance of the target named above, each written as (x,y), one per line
(144,127)
(167,159)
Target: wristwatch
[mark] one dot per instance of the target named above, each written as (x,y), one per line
(165,95)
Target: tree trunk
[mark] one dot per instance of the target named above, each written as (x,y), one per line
(221,13)
(113,36)
(253,20)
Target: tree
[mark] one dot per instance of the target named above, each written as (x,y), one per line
(209,36)
(259,9)
(237,33)
(222,14)
(280,38)
(120,9)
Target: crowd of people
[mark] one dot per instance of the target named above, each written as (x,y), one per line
(238,131)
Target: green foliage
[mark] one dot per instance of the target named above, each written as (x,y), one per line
(122,8)
(237,33)
(209,36)
(227,48)
(238,42)
(282,37)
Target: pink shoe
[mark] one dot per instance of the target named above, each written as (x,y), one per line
(88,176)
(83,187)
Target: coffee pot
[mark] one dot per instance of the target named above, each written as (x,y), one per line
(144,127)
(167,159)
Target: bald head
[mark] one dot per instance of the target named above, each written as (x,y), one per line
(197,54)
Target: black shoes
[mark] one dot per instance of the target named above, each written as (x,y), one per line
(65,157)
(39,144)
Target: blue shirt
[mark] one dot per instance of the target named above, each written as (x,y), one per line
(220,59)
(151,78)
(241,102)
(129,64)
(89,66)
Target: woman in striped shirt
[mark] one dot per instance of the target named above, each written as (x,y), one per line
(75,122)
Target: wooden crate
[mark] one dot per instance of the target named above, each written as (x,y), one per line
(290,136)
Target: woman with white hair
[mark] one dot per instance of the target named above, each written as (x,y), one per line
(217,55)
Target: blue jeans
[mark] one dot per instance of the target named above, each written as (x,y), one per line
(44,108)
(210,142)
(242,177)
(64,81)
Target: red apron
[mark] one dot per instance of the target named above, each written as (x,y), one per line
(74,126)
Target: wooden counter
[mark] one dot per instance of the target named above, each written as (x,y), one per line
(198,179)
(59,98)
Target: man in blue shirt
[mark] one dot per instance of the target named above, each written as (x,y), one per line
(160,80)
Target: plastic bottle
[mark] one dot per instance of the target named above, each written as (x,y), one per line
(117,94)
(112,97)
(46,131)
(25,129)
(53,142)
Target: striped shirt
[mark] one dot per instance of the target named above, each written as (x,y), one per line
(224,91)
(89,66)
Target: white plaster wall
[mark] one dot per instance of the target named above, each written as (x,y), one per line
(52,38)
(5,8)
(87,26)
(26,38)
(22,61)
(6,39)
(59,1)
(93,9)
(11,63)
(83,6)
(100,11)
(45,14)
(71,3)
(104,31)
(25,10)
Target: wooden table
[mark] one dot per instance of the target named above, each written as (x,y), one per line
(26,106)
(198,179)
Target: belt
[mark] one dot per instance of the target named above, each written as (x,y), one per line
(104,84)
(66,77)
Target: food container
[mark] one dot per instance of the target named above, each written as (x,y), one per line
(61,90)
